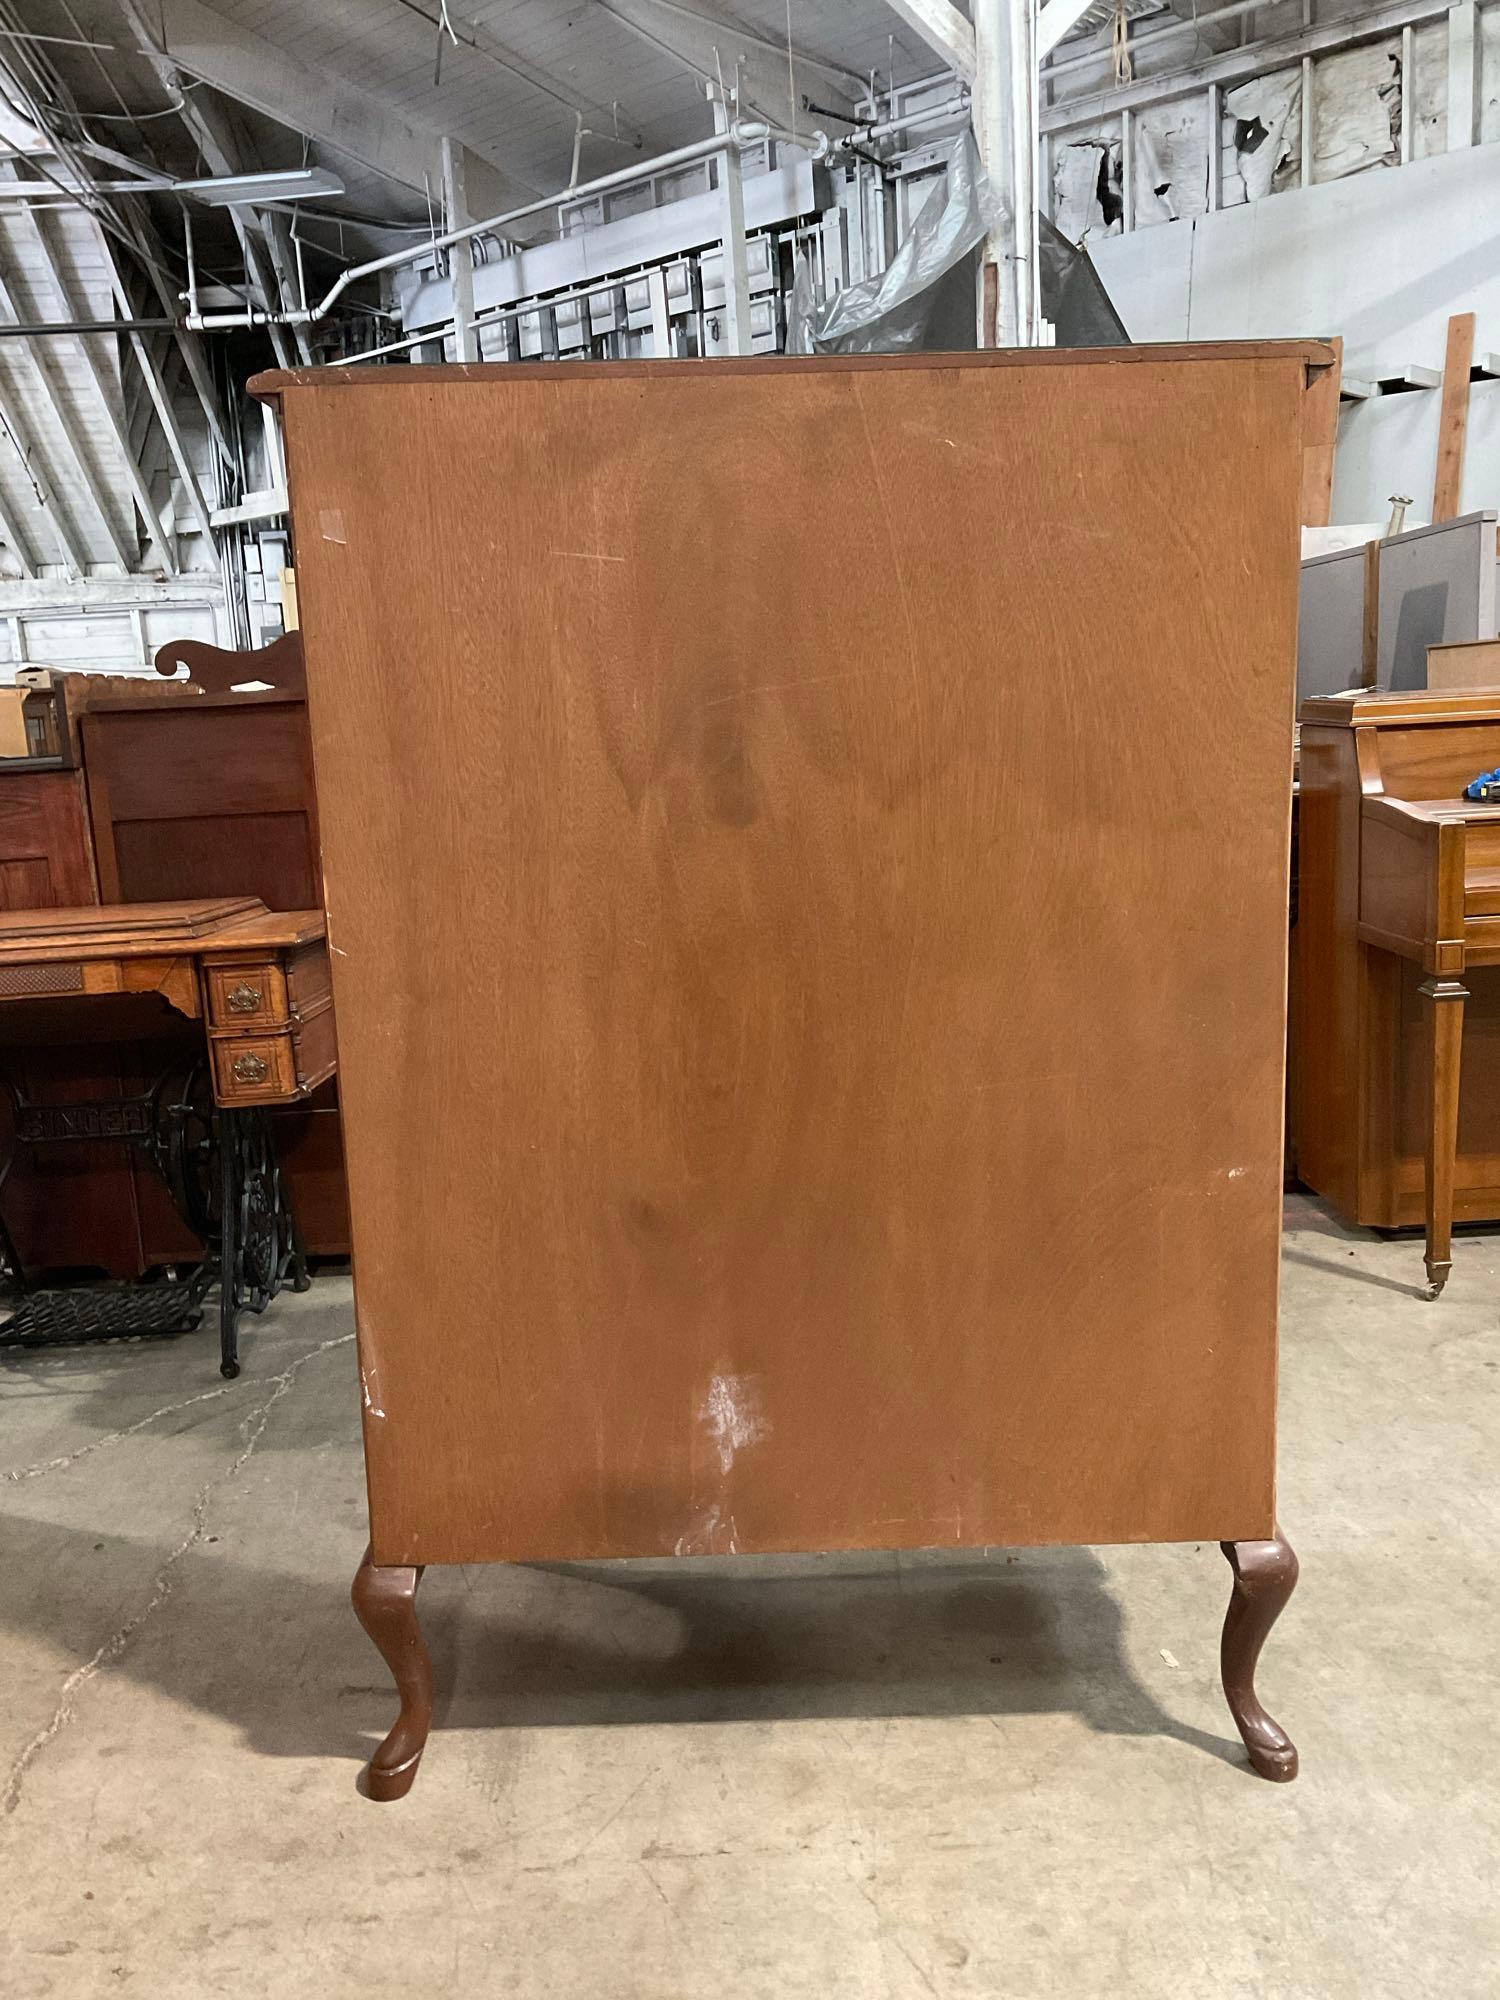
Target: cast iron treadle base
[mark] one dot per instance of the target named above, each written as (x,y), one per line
(103,1312)
(222,1170)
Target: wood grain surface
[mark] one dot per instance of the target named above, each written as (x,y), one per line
(806,865)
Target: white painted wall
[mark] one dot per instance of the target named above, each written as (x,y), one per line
(1382,258)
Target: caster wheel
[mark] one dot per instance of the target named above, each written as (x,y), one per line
(229,1369)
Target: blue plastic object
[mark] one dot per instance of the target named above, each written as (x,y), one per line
(1486,787)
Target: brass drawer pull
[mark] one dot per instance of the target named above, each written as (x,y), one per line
(244,998)
(250,1068)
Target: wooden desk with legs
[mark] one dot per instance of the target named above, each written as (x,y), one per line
(809,953)
(256,979)
(1399,900)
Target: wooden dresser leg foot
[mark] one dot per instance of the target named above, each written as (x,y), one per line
(385,1603)
(1265,1574)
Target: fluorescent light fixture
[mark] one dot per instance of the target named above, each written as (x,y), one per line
(228,190)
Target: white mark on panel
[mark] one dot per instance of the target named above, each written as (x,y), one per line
(369,1401)
(732,1412)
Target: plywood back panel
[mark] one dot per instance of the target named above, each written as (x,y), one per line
(810,947)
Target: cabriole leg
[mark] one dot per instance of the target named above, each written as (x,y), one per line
(385,1603)
(1265,1574)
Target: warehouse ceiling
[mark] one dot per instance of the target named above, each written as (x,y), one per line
(370,87)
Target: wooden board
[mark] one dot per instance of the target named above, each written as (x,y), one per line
(1320,440)
(125,926)
(1474,663)
(809,960)
(1453,418)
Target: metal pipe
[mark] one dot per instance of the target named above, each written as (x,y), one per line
(955,107)
(742,133)
(45,329)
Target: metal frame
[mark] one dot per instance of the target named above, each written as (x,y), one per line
(221,1169)
(1235,65)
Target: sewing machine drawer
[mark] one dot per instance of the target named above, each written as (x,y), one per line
(252,995)
(254,1069)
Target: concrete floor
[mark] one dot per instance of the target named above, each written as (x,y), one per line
(871,1779)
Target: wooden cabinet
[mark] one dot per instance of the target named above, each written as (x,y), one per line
(46,857)
(809,952)
(203,797)
(1397,1021)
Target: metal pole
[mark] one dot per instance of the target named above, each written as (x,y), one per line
(736,266)
(661,323)
(997,295)
(1005,127)
(461,256)
(45,329)
(1024,88)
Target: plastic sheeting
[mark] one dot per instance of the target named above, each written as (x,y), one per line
(903,310)
(925,299)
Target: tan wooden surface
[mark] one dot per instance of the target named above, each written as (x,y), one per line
(1453,418)
(1320,441)
(809,961)
(1469,663)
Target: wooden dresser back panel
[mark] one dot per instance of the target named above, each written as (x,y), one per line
(812,1033)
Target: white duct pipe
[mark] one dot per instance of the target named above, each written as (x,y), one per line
(1005,127)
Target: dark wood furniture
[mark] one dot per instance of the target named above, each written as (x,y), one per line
(46,856)
(196,794)
(1398,917)
(257,983)
(184,794)
(811,1057)
(218,671)
(211,795)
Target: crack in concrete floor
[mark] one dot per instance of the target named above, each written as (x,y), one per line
(68,1458)
(161,1583)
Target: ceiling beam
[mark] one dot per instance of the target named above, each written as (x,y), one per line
(718,50)
(482,39)
(104,388)
(945,31)
(302,95)
(1058,18)
(59,403)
